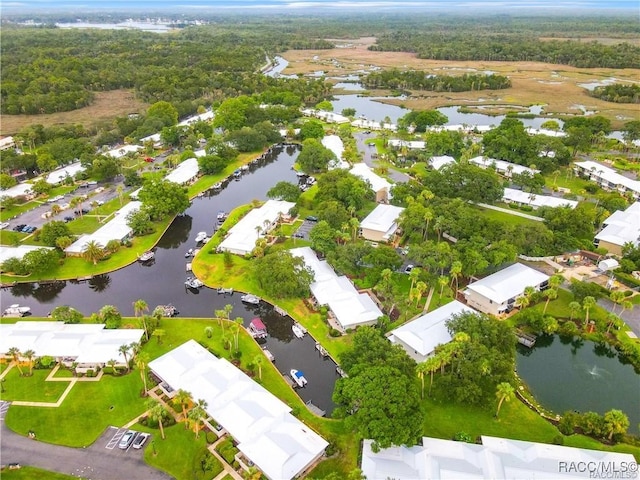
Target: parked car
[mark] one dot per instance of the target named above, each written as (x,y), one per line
(126,440)
(408,268)
(148,159)
(312,218)
(298,235)
(68,219)
(18,228)
(139,441)
(3,225)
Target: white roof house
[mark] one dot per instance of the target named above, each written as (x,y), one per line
(17,252)
(155,138)
(60,174)
(496,459)
(545,131)
(84,343)
(115,229)
(335,144)
(7,142)
(495,293)
(243,235)
(439,161)
(378,184)
(328,117)
(607,177)
(505,168)
(121,151)
(185,172)
(421,336)
(18,190)
(350,308)
(373,125)
(622,226)
(535,200)
(410,144)
(381,223)
(267,433)
(203,117)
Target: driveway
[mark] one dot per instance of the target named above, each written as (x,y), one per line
(630,317)
(95,462)
(367,151)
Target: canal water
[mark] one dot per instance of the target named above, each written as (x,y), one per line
(162,282)
(566,374)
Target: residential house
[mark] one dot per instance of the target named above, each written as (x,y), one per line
(620,228)
(421,336)
(380,186)
(497,293)
(608,178)
(381,224)
(506,169)
(534,200)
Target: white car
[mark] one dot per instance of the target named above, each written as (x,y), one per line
(3,225)
(126,440)
(140,440)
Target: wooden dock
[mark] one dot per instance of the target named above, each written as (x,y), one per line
(526,339)
(315,409)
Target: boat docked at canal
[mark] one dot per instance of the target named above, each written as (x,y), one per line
(188,253)
(298,377)
(250,299)
(16,310)
(168,310)
(201,237)
(221,216)
(146,256)
(257,328)
(298,330)
(193,282)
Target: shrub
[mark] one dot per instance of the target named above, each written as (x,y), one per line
(334,332)
(558,440)
(330,450)
(463,437)
(211,437)
(90,373)
(568,423)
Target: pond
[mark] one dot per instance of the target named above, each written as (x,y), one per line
(565,374)
(162,282)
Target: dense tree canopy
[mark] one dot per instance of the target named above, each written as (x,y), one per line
(282,275)
(419,80)
(421,119)
(164,198)
(465,181)
(314,156)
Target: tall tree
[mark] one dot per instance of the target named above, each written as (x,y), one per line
(14,352)
(142,360)
(504,392)
(124,351)
(93,252)
(183,398)
(157,412)
(587,304)
(615,422)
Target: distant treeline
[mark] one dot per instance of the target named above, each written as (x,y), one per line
(418,80)
(618,93)
(509,48)
(52,70)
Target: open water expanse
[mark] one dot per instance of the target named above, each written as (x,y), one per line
(162,282)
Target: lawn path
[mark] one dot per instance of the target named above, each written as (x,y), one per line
(510,212)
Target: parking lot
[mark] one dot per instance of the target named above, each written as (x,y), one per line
(304,229)
(113,438)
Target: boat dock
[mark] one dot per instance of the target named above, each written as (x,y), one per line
(315,409)
(279,310)
(526,339)
(322,350)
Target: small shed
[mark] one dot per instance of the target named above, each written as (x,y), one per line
(608,264)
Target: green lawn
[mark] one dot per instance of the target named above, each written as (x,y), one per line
(89,408)
(33,388)
(8,213)
(505,217)
(573,183)
(33,473)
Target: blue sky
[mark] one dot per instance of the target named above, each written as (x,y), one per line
(443,5)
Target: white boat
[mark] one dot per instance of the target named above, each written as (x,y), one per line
(16,310)
(244,168)
(298,330)
(221,216)
(193,282)
(146,256)
(217,186)
(298,377)
(252,299)
(225,291)
(189,253)
(168,310)
(201,236)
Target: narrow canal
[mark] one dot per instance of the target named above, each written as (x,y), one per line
(162,282)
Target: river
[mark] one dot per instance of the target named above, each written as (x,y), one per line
(163,281)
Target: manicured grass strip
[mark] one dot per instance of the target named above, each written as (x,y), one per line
(505,217)
(31,388)
(89,408)
(33,473)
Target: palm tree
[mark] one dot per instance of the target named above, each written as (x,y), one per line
(55,209)
(432,364)
(124,350)
(455,272)
(617,297)
(443,281)
(258,360)
(159,333)
(228,308)
(197,414)
(139,307)
(421,287)
(29,355)
(15,353)
(615,421)
(421,369)
(219,314)
(208,331)
(428,216)
(93,252)
(142,359)
(504,392)
(183,398)
(522,302)
(236,325)
(413,275)
(158,313)
(226,340)
(626,305)
(587,304)
(120,191)
(354,223)
(551,294)
(612,319)
(574,308)
(157,412)
(75,201)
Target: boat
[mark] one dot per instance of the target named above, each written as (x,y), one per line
(217,186)
(193,282)
(269,355)
(300,174)
(341,372)
(237,173)
(279,310)
(298,330)
(16,310)
(298,377)
(222,216)
(168,310)
(257,328)
(225,291)
(201,236)
(323,351)
(244,168)
(252,299)
(189,253)
(146,256)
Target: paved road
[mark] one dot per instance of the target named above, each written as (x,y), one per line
(631,318)
(94,462)
(366,150)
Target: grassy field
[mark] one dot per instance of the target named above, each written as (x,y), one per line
(33,473)
(32,388)
(505,217)
(106,106)
(555,86)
